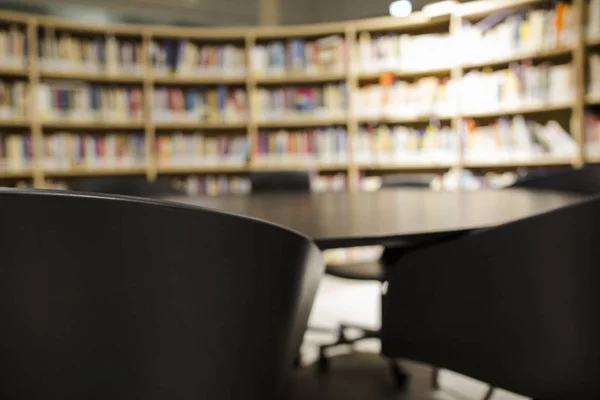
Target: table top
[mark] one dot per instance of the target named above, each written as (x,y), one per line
(389,216)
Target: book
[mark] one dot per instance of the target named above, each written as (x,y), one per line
(327,101)
(326,146)
(197,149)
(13,47)
(220,104)
(520,85)
(426,97)
(15,152)
(213,185)
(67,150)
(594,71)
(516,33)
(592,135)
(13,99)
(516,139)
(395,145)
(75,101)
(593,22)
(300,57)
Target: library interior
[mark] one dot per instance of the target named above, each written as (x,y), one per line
(357,200)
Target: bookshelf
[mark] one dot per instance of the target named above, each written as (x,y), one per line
(396,93)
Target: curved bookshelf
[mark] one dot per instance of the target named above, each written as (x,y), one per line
(191,72)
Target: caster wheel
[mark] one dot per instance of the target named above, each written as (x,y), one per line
(400,377)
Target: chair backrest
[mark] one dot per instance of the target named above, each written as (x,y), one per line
(407,180)
(104,297)
(127,186)
(584,181)
(275,182)
(517,306)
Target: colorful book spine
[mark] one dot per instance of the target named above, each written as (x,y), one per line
(198,149)
(65,150)
(194,59)
(221,104)
(15,151)
(592,135)
(328,101)
(13,99)
(325,146)
(299,57)
(85,102)
(214,185)
(399,144)
(516,139)
(521,85)
(13,47)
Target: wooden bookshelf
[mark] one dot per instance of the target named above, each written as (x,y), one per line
(16,174)
(538,162)
(149,78)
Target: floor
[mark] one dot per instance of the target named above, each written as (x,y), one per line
(365,376)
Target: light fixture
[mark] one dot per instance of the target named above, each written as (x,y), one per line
(400,8)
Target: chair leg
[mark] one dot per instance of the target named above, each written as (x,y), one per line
(490,393)
(435,374)
(398,374)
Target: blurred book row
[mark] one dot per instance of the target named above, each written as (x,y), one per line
(222,103)
(185,57)
(399,144)
(86,102)
(516,139)
(507,35)
(197,149)
(16,151)
(327,101)
(13,47)
(13,99)
(593,25)
(393,52)
(65,150)
(299,56)
(325,146)
(62,51)
(213,185)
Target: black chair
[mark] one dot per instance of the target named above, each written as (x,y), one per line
(137,186)
(123,298)
(583,181)
(280,182)
(517,306)
(374,271)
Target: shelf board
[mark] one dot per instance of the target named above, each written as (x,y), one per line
(300,78)
(21,173)
(522,110)
(10,71)
(480,9)
(537,55)
(92,125)
(407,120)
(82,171)
(593,99)
(202,169)
(91,76)
(297,166)
(410,166)
(198,80)
(540,162)
(201,125)
(17,123)
(593,41)
(301,122)
(372,76)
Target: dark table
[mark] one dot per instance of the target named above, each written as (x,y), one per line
(389,217)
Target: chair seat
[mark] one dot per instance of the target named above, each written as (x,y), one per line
(366,271)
